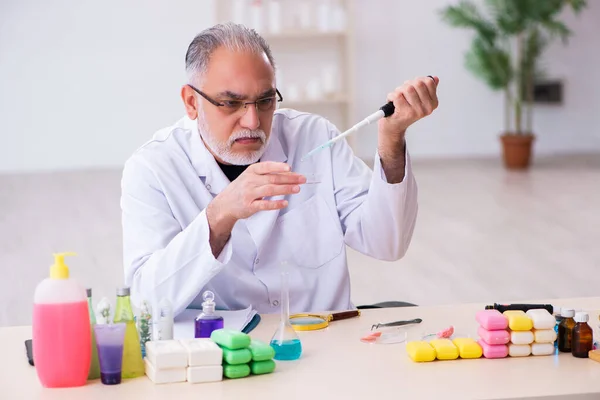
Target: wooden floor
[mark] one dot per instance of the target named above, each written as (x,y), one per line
(483,234)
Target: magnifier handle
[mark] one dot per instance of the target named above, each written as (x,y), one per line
(345,315)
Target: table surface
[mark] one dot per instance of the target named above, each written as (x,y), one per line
(336,364)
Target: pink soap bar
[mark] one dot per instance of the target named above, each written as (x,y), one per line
(493,350)
(491,320)
(500,336)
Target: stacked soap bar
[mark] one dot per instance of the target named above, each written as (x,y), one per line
(204,360)
(192,360)
(531,332)
(166,361)
(242,355)
(543,331)
(443,349)
(521,334)
(493,333)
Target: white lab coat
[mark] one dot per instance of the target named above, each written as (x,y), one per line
(169,181)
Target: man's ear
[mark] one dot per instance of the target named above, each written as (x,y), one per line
(189,102)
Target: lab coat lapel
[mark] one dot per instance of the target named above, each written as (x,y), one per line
(203,161)
(260,224)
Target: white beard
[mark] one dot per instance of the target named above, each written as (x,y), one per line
(224,151)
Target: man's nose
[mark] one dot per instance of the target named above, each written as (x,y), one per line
(250,118)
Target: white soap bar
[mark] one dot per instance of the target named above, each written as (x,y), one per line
(202,352)
(160,376)
(519,350)
(209,373)
(166,354)
(541,318)
(544,335)
(521,337)
(542,349)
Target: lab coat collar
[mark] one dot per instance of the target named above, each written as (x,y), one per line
(206,166)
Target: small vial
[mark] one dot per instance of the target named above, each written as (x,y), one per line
(565,330)
(165,320)
(208,321)
(558,318)
(583,336)
(144,325)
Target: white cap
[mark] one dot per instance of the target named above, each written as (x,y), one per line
(567,312)
(582,317)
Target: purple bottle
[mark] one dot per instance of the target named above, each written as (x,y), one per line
(207,321)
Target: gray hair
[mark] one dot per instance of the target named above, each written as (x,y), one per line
(233,36)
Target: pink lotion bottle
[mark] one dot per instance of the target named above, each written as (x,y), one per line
(61,329)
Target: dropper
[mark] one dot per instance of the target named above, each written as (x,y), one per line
(384,111)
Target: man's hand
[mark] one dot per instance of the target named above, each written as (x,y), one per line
(413,101)
(244,197)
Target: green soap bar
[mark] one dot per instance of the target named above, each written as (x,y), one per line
(262,367)
(236,371)
(261,351)
(235,357)
(231,339)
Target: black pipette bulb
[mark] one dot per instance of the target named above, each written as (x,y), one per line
(388,109)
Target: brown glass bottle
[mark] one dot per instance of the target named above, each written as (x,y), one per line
(565,330)
(582,336)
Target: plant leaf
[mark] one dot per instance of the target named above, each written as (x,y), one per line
(467,15)
(489,63)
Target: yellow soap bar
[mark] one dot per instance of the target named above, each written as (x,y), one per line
(420,351)
(468,348)
(445,349)
(518,320)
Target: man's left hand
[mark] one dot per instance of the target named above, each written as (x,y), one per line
(414,100)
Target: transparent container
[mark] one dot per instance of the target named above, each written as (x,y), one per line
(285,341)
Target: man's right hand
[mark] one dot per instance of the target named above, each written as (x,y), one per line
(244,197)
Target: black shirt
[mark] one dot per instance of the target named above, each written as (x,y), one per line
(232,171)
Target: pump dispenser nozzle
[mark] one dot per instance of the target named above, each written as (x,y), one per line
(60,270)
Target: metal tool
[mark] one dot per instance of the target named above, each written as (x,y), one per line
(397,323)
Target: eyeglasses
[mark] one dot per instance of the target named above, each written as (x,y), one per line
(232,106)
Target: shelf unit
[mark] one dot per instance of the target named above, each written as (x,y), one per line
(313,45)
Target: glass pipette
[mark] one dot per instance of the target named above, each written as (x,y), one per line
(384,111)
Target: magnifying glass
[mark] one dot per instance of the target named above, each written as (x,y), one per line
(313,322)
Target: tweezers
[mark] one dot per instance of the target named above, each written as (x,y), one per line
(397,323)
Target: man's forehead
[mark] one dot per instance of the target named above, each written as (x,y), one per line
(243,73)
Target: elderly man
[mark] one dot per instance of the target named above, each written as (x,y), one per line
(220,200)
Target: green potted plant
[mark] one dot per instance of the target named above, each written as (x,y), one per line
(510,37)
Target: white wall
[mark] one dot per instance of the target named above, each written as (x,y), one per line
(82,84)
(398,40)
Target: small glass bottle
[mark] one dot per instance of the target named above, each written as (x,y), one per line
(285,341)
(94,366)
(144,326)
(583,337)
(103,311)
(165,323)
(207,321)
(133,365)
(558,318)
(565,330)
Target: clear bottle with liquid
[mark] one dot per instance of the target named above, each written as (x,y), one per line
(165,323)
(285,341)
(95,366)
(208,321)
(558,318)
(133,365)
(144,325)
